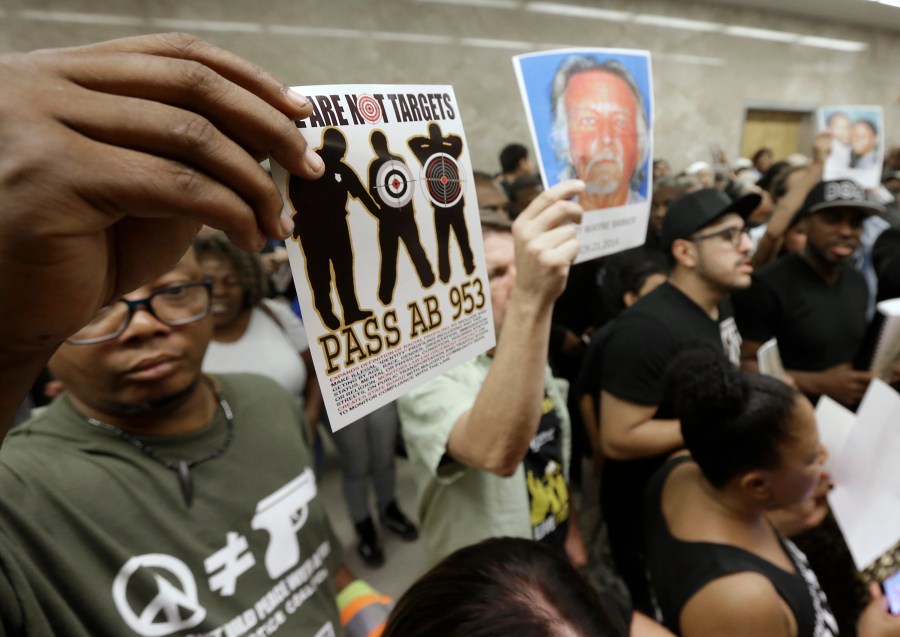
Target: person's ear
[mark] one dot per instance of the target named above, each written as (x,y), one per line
(685,253)
(757,485)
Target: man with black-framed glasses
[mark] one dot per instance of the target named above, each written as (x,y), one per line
(151,499)
(705,239)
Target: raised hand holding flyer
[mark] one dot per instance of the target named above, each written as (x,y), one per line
(386,254)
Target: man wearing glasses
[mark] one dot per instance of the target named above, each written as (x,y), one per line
(152,500)
(708,249)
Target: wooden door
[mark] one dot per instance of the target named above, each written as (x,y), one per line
(785,132)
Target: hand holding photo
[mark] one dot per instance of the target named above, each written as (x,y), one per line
(590,112)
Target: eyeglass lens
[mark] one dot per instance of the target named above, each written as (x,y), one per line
(173,306)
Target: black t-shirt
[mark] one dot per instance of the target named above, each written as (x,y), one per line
(636,355)
(548,494)
(817,325)
(588,380)
(649,333)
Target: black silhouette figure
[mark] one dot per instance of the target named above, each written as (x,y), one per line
(450,216)
(392,189)
(320,225)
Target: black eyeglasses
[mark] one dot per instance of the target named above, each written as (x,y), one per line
(732,234)
(174,305)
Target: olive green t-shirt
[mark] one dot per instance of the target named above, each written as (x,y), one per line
(96,538)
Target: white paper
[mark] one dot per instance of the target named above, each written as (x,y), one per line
(835,423)
(887,352)
(769,358)
(866,499)
(397,171)
(613,138)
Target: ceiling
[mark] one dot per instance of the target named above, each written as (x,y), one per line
(856,12)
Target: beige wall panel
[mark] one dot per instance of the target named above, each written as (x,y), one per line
(703,82)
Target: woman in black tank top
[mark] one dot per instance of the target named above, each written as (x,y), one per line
(717,564)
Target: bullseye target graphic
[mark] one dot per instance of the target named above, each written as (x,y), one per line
(369,108)
(393,183)
(443,181)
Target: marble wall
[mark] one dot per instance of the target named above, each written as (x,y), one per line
(704,78)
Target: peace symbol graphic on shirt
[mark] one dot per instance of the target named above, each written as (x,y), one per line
(175,606)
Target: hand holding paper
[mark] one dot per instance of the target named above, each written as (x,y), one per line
(546,243)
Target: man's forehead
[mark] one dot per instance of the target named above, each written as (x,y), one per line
(499,244)
(187,269)
(599,86)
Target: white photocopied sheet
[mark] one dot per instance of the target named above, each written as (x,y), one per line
(835,424)
(866,497)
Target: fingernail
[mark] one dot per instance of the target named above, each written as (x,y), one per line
(298,98)
(313,161)
(287,224)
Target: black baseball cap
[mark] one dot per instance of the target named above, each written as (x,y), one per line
(699,209)
(838,193)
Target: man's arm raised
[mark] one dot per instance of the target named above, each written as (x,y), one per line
(114,155)
(494,435)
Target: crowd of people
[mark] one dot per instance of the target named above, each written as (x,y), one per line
(171,487)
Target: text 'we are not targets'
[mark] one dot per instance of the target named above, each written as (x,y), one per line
(378,108)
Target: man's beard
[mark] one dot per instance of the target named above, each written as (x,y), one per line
(609,182)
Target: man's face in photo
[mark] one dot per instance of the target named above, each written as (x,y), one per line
(839,127)
(602,116)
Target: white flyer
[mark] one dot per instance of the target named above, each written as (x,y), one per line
(590,112)
(866,495)
(386,254)
(835,423)
(768,357)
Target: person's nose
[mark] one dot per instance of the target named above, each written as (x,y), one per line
(144,324)
(219,289)
(823,454)
(746,244)
(605,132)
(846,228)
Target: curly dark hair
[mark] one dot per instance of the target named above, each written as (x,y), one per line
(731,420)
(254,280)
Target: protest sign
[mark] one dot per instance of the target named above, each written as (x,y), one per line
(386,253)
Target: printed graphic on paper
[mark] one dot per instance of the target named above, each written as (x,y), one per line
(591,117)
(857,143)
(387,252)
